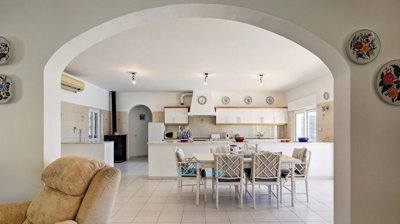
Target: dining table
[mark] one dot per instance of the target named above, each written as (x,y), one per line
(206,160)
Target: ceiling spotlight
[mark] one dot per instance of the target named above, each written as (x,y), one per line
(261,79)
(205,78)
(133,77)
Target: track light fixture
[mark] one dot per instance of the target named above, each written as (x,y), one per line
(261,79)
(133,77)
(205,78)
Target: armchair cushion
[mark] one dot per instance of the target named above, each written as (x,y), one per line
(13,213)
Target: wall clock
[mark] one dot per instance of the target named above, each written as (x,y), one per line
(4,50)
(363,46)
(270,100)
(202,100)
(225,100)
(326,96)
(388,82)
(248,100)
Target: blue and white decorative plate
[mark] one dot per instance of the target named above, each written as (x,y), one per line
(5,89)
(270,100)
(4,50)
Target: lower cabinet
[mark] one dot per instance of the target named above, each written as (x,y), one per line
(119,147)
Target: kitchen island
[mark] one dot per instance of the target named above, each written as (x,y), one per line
(162,162)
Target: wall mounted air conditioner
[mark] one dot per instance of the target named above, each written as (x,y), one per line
(71,84)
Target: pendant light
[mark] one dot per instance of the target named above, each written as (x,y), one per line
(261,79)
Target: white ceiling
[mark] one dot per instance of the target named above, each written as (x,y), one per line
(172,55)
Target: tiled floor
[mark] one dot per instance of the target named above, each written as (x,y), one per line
(143,200)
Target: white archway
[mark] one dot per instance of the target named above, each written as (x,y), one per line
(335,62)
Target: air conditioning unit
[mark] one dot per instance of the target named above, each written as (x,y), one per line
(71,84)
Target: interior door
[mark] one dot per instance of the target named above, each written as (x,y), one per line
(139,117)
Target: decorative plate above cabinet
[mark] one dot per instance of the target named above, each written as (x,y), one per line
(248,100)
(270,100)
(388,82)
(225,100)
(202,100)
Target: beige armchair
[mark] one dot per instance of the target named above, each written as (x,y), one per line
(76,190)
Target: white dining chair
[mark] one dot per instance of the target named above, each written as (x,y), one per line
(187,171)
(300,170)
(228,171)
(265,170)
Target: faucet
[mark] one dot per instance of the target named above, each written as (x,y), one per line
(259,134)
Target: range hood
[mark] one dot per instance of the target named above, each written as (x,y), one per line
(202,103)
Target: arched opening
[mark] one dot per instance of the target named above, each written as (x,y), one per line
(329,55)
(138,120)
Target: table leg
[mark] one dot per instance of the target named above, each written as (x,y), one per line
(198,176)
(292,182)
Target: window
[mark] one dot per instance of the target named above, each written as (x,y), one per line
(305,124)
(94,119)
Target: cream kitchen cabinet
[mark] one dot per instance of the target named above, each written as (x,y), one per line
(251,116)
(176,115)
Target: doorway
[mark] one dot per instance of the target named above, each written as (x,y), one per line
(138,119)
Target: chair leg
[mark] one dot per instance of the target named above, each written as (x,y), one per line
(241,194)
(277,196)
(269,192)
(280,191)
(205,189)
(253,193)
(307,189)
(216,194)
(213,187)
(245,187)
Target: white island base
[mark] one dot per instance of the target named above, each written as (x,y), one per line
(162,162)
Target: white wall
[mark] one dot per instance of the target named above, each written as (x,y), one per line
(92,96)
(315,87)
(36,29)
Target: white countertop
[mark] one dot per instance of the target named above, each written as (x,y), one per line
(105,142)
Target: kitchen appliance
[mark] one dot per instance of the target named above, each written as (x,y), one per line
(171,134)
(156,132)
(215,136)
(202,103)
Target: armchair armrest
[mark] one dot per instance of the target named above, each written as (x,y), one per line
(14,213)
(67,222)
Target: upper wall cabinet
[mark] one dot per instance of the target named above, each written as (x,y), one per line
(176,115)
(252,116)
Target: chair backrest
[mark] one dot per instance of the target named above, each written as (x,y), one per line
(185,166)
(266,166)
(303,167)
(220,149)
(228,166)
(300,153)
(76,188)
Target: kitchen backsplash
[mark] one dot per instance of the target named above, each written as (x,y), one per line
(204,126)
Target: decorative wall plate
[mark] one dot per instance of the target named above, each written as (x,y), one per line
(388,82)
(363,46)
(248,100)
(270,100)
(225,100)
(202,100)
(326,96)
(4,50)
(5,89)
